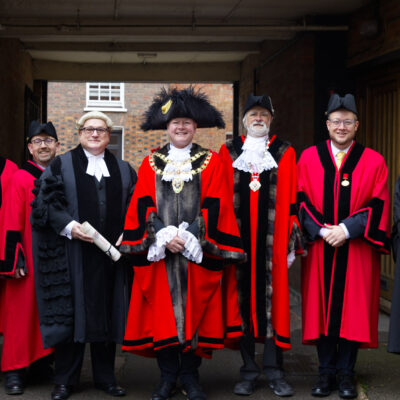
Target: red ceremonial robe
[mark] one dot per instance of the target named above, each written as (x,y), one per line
(7,169)
(340,286)
(22,341)
(175,301)
(270,230)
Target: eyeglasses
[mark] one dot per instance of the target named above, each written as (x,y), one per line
(47,141)
(89,130)
(347,122)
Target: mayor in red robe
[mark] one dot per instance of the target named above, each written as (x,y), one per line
(344,210)
(22,341)
(181,220)
(261,171)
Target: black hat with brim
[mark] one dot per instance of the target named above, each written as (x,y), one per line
(261,101)
(341,103)
(36,128)
(186,103)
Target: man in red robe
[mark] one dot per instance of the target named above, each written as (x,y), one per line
(344,211)
(22,341)
(182,221)
(262,181)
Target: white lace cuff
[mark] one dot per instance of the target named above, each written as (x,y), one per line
(193,250)
(157,249)
(290,258)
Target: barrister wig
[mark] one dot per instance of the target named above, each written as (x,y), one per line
(186,103)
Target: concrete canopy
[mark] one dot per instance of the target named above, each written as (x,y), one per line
(135,36)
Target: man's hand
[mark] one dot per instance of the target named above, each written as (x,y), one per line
(176,245)
(335,236)
(19,273)
(77,233)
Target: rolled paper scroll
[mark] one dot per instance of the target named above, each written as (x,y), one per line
(101,242)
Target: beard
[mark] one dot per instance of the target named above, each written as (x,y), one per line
(257,129)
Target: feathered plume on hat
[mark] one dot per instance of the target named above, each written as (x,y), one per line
(186,103)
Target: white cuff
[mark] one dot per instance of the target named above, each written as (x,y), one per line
(193,250)
(163,236)
(323,232)
(67,230)
(290,258)
(343,226)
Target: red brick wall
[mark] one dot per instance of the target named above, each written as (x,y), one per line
(67,100)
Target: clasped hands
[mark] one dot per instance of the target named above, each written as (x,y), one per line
(334,235)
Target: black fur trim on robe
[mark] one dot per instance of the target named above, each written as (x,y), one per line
(2,165)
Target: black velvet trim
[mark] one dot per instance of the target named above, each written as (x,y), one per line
(33,169)
(302,198)
(282,339)
(143,203)
(293,210)
(212,263)
(205,339)
(2,166)
(339,283)
(374,232)
(137,342)
(212,204)
(264,227)
(13,238)
(166,342)
(231,329)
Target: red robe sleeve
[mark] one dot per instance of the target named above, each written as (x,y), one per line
(13,223)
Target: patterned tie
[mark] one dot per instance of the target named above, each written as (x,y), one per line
(339,158)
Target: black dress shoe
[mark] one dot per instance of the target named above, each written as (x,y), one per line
(14,381)
(111,388)
(244,388)
(281,387)
(347,388)
(326,383)
(193,391)
(164,390)
(61,392)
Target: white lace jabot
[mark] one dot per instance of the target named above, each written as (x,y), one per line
(255,156)
(177,165)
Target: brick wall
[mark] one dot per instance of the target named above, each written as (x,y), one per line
(67,100)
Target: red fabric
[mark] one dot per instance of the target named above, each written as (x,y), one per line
(283,225)
(22,341)
(361,295)
(151,321)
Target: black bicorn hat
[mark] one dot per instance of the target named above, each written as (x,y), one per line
(36,128)
(262,101)
(185,103)
(341,103)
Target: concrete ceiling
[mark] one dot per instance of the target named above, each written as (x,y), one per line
(155,31)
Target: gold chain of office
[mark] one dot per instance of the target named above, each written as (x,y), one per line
(177,181)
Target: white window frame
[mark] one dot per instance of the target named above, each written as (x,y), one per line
(106,105)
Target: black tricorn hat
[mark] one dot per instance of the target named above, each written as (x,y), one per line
(186,103)
(36,128)
(341,103)
(262,101)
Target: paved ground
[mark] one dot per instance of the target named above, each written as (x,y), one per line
(378,373)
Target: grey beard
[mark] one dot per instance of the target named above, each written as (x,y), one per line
(257,132)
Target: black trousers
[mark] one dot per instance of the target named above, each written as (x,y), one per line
(337,355)
(272,362)
(69,359)
(175,364)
